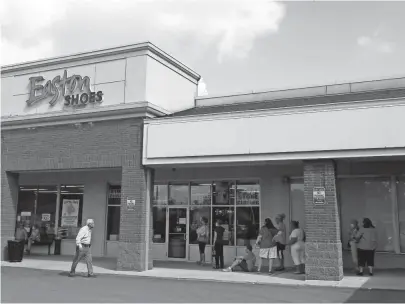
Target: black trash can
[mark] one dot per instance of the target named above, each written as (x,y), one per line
(57,246)
(15,251)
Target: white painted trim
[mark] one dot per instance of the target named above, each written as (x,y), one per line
(146,46)
(388,152)
(314,86)
(338,106)
(131,110)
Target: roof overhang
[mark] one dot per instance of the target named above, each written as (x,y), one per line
(125,111)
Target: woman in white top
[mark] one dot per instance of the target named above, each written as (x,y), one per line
(297,243)
(280,239)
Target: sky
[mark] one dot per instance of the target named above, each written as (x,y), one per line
(235,45)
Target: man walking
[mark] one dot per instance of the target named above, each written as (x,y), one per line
(83,243)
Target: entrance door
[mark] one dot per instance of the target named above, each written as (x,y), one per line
(177,233)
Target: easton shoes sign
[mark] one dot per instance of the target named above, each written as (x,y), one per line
(65,87)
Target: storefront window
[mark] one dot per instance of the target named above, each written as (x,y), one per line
(201,194)
(371,198)
(178,194)
(159,224)
(71,208)
(223,193)
(196,213)
(248,193)
(113,213)
(27,198)
(401,213)
(160,195)
(247,225)
(37,206)
(46,209)
(226,215)
(297,200)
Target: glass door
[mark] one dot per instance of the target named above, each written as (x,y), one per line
(177,233)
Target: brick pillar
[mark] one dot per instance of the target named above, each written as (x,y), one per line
(132,245)
(323,245)
(9,200)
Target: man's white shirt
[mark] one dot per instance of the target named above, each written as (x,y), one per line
(84,236)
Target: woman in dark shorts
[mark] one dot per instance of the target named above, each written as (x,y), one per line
(219,245)
(280,239)
(202,238)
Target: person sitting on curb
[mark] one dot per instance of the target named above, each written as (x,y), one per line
(246,262)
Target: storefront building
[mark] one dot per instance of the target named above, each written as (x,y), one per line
(323,156)
(119,136)
(72,131)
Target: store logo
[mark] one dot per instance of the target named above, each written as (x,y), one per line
(66,87)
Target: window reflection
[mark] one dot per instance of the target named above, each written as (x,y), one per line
(178,194)
(201,194)
(160,195)
(196,213)
(247,225)
(159,224)
(297,199)
(247,193)
(223,193)
(367,197)
(226,215)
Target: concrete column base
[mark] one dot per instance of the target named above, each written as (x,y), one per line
(131,256)
(324,261)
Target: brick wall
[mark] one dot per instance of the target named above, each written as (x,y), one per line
(323,245)
(111,144)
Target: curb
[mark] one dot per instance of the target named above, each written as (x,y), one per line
(205,280)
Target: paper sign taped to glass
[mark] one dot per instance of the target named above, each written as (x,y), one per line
(46,217)
(70,213)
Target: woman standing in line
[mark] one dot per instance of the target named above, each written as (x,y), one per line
(297,243)
(219,245)
(268,248)
(354,230)
(366,247)
(280,240)
(202,238)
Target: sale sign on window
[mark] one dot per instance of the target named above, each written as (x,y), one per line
(70,213)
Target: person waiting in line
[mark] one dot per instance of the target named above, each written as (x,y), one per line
(202,238)
(219,245)
(352,244)
(35,236)
(268,247)
(21,234)
(366,246)
(246,262)
(280,239)
(297,244)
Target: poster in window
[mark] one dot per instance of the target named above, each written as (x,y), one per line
(70,213)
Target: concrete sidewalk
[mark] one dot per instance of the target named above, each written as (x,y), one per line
(394,280)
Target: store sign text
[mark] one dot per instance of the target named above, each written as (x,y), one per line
(63,87)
